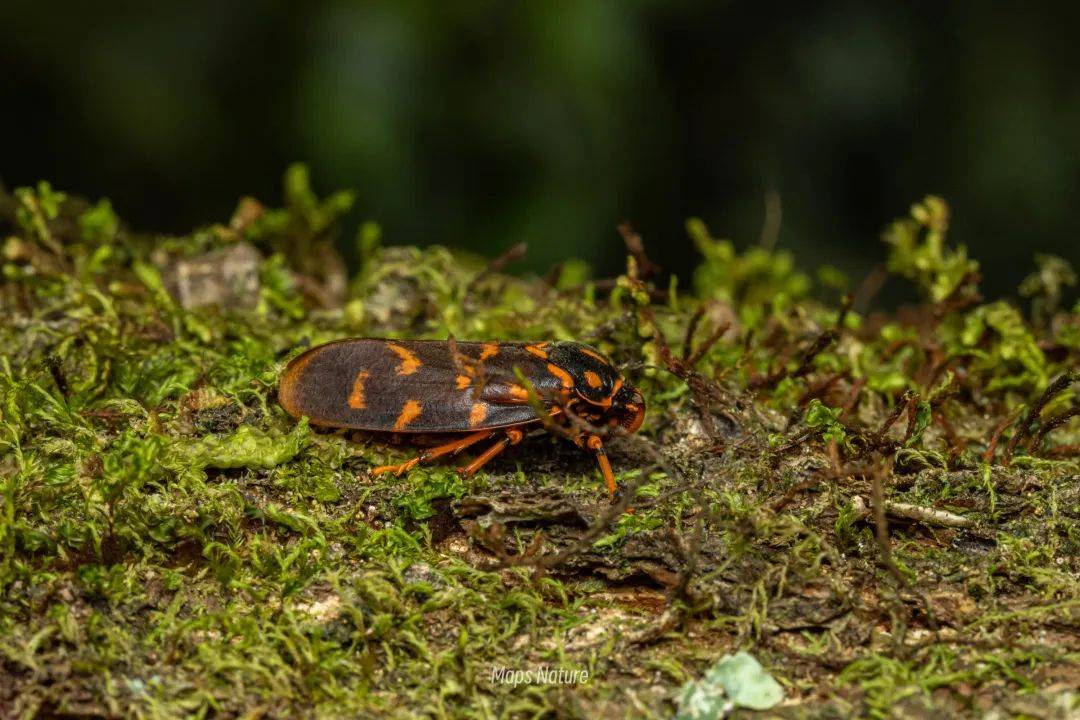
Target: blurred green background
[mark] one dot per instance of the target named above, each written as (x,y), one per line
(482,124)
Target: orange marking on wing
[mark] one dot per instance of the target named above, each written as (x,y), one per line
(519,393)
(564,377)
(611,397)
(490,350)
(595,355)
(463,381)
(592,378)
(477,414)
(356,397)
(288,389)
(537,350)
(409,362)
(409,412)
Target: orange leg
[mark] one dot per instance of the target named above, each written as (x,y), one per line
(597,446)
(512,437)
(451,448)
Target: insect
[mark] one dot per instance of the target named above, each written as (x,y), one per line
(470,390)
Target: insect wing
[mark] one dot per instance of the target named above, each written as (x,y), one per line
(420,386)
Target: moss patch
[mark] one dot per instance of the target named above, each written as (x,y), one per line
(881,507)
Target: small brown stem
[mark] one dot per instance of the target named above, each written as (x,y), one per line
(820,343)
(1062,382)
(995,436)
(912,412)
(511,255)
(894,415)
(881,535)
(691,330)
(698,354)
(646,267)
(1052,423)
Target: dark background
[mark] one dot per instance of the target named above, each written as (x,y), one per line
(481,124)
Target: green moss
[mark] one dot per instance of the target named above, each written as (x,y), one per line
(173,544)
(248,447)
(919,250)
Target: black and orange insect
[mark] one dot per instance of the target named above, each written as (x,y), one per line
(467,389)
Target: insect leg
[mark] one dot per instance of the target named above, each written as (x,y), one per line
(595,444)
(451,448)
(512,437)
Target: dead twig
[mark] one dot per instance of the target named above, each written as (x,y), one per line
(1061,383)
(705,393)
(894,415)
(511,255)
(704,348)
(1064,450)
(691,331)
(822,341)
(995,435)
(912,415)
(646,267)
(1051,424)
(955,442)
(916,513)
(881,535)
